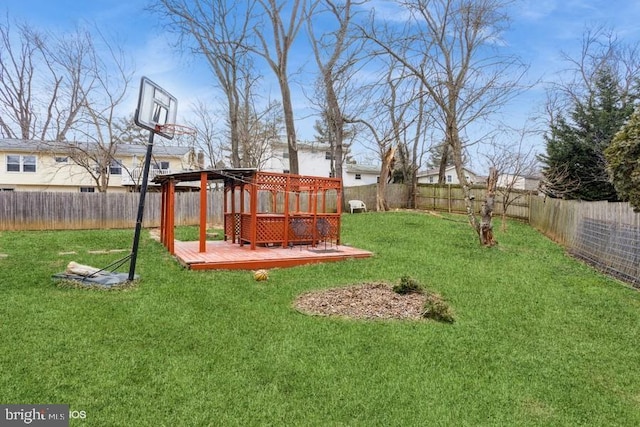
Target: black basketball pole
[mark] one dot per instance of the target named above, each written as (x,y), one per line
(143,193)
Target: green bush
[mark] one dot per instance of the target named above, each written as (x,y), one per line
(408,285)
(437,309)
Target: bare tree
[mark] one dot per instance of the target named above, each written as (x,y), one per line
(263,128)
(398,116)
(41,77)
(446,44)
(208,140)
(61,87)
(600,49)
(381,123)
(515,162)
(98,121)
(260,126)
(129,132)
(413,140)
(335,55)
(220,31)
(275,49)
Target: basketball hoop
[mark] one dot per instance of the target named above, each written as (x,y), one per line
(174,129)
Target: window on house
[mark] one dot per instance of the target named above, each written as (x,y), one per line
(21,163)
(327,155)
(448,178)
(13,163)
(87,190)
(285,154)
(358,176)
(60,159)
(28,163)
(430,180)
(6,189)
(161,165)
(115,167)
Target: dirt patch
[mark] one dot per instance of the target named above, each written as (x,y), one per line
(366,301)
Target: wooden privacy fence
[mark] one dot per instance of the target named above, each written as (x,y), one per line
(76,211)
(561,219)
(606,235)
(447,198)
(450,198)
(396,195)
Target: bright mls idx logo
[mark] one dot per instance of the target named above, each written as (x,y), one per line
(34,415)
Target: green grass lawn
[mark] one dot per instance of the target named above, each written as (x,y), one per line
(539,339)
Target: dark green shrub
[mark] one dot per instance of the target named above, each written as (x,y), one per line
(408,285)
(437,309)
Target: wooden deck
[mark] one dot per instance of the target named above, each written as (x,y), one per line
(223,255)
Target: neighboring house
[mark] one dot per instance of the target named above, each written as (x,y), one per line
(524,182)
(354,175)
(314,159)
(451,177)
(39,166)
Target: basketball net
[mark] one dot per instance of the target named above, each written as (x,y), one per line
(174,129)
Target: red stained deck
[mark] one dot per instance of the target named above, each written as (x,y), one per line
(223,255)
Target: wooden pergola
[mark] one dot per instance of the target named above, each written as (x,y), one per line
(261,208)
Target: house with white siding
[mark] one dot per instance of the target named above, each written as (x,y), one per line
(314,159)
(355,175)
(50,166)
(519,182)
(451,177)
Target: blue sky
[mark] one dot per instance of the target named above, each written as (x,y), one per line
(540,30)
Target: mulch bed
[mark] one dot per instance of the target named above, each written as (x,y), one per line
(365,301)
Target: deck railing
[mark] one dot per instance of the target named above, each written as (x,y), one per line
(135,175)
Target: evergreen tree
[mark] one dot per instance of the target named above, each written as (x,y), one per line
(439,154)
(623,160)
(575,166)
(325,134)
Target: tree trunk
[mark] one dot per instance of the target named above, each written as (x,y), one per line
(385,173)
(290,126)
(444,162)
(486,212)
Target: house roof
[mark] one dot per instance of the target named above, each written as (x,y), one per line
(312,146)
(356,168)
(436,171)
(31,146)
(230,174)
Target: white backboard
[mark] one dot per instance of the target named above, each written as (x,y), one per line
(156,107)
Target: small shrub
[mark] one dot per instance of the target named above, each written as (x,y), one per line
(408,285)
(437,309)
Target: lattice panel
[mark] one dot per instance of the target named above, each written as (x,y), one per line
(270,229)
(228,225)
(327,227)
(301,230)
(294,183)
(237,224)
(268,181)
(245,230)
(231,225)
